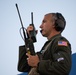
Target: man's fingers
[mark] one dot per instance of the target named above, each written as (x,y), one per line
(28,54)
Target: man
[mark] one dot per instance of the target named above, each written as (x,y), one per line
(55,56)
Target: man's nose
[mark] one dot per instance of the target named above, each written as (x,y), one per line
(41,26)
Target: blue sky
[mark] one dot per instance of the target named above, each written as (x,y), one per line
(10,38)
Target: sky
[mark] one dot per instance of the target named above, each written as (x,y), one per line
(10,38)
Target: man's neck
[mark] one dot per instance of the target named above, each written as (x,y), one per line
(52,34)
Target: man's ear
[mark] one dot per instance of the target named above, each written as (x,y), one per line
(53,23)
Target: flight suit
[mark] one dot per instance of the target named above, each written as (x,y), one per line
(56,59)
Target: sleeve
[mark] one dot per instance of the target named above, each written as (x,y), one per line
(22,62)
(61,63)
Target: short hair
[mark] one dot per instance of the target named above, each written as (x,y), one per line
(60,21)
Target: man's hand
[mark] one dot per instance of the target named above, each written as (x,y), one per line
(30,28)
(32,60)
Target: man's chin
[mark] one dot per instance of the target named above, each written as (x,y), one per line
(43,35)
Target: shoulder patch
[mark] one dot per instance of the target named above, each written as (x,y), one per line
(62,43)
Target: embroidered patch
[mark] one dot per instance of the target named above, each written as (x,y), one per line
(60,59)
(62,43)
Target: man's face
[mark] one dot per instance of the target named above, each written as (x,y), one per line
(47,25)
